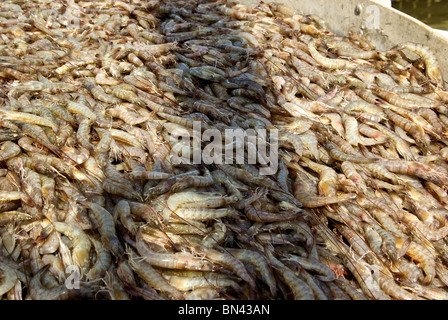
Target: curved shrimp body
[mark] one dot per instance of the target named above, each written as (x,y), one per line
(423,256)
(151,276)
(8,217)
(122,211)
(364,106)
(246,177)
(38,134)
(337,154)
(389,243)
(39,292)
(204,281)
(204,214)
(351,173)
(431,64)
(260,263)
(148,175)
(193,181)
(80,240)
(352,132)
(370,287)
(414,168)
(299,288)
(390,287)
(310,201)
(9,278)
(262,216)
(9,150)
(325,274)
(82,134)
(407,125)
(327,62)
(102,263)
(373,239)
(328,177)
(106,227)
(417,225)
(180,260)
(28,118)
(195,199)
(358,244)
(229,261)
(80,109)
(98,92)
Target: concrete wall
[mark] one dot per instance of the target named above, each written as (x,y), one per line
(386,3)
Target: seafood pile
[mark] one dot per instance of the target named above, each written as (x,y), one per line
(95,96)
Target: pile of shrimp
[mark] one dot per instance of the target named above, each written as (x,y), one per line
(93,205)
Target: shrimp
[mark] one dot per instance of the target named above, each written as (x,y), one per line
(361,271)
(426,292)
(260,263)
(401,145)
(407,125)
(327,62)
(9,150)
(98,92)
(8,217)
(373,239)
(325,274)
(204,214)
(299,288)
(432,66)
(38,134)
(262,216)
(352,132)
(122,211)
(102,263)
(308,201)
(151,276)
(126,137)
(195,199)
(39,292)
(80,241)
(414,168)
(388,242)
(101,78)
(56,266)
(229,261)
(51,244)
(193,181)
(106,227)
(337,154)
(179,260)
(205,293)
(351,173)
(328,177)
(9,278)
(423,256)
(414,223)
(83,134)
(81,109)
(358,244)
(390,287)
(28,118)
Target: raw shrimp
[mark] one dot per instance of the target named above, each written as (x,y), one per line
(80,241)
